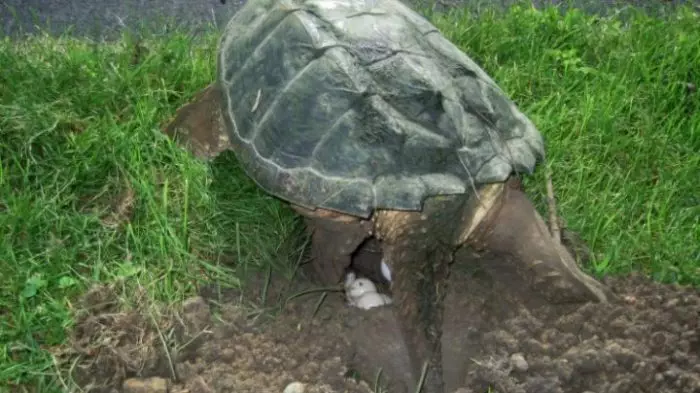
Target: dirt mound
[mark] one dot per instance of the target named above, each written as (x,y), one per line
(212,348)
(649,343)
(243,357)
(111,345)
(496,336)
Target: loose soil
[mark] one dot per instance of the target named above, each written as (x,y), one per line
(497,336)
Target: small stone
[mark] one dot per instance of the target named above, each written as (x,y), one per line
(518,362)
(146,385)
(672,373)
(629,299)
(671,303)
(295,387)
(202,385)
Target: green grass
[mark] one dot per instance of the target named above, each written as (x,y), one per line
(622,128)
(79,135)
(80,144)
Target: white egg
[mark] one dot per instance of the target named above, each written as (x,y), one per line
(371,300)
(362,293)
(360,287)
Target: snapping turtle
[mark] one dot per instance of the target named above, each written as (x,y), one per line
(372,125)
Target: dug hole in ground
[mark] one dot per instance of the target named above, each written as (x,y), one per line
(502,337)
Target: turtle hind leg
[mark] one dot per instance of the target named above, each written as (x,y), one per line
(199,125)
(336,241)
(380,353)
(514,229)
(417,248)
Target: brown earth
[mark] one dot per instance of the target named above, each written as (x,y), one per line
(497,336)
(650,342)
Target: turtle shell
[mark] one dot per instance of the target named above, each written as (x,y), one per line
(354,105)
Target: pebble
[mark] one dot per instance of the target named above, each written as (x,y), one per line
(671,303)
(518,362)
(295,387)
(145,385)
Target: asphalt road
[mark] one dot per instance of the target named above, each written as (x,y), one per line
(105,19)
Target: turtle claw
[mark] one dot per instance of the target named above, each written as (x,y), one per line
(514,229)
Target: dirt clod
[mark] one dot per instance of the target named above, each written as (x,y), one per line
(191,329)
(145,385)
(518,362)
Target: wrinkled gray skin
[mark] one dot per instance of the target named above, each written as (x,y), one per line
(376,128)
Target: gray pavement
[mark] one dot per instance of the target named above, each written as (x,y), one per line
(106,19)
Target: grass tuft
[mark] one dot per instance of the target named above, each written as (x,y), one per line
(92,192)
